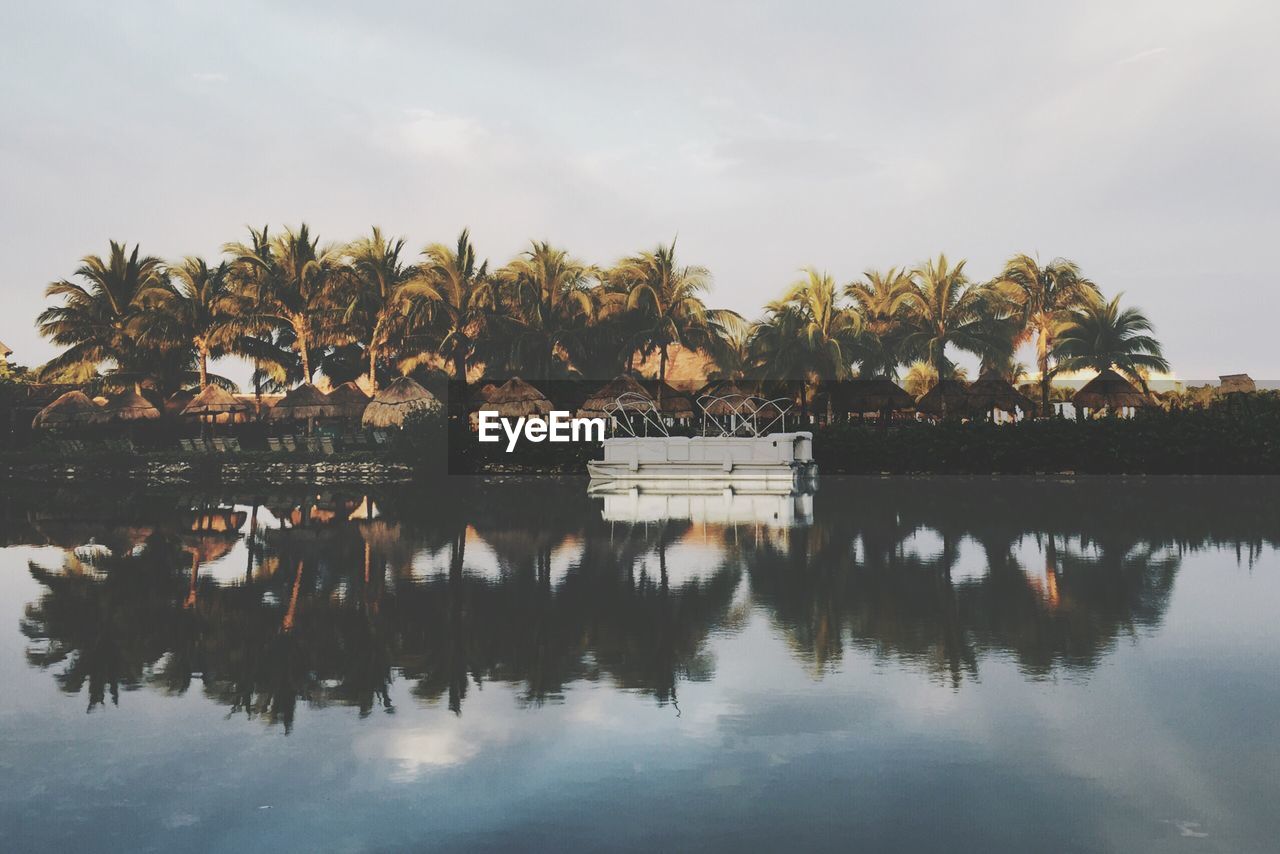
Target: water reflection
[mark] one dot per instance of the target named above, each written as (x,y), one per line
(271,602)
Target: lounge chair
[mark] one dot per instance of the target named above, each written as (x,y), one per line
(185,444)
(274,445)
(290,443)
(233,445)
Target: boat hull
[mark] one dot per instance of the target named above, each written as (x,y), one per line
(771,476)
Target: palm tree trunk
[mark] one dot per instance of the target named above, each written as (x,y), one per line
(1042,357)
(373,368)
(304,348)
(204,367)
(662,372)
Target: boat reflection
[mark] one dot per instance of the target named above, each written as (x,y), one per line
(704,504)
(270,603)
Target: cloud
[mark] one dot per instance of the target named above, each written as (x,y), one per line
(459,139)
(210,76)
(1142,55)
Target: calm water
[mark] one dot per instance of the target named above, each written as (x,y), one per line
(924,665)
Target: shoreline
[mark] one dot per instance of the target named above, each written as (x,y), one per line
(246,470)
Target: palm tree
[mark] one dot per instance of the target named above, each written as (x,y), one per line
(459,298)
(808,334)
(665,300)
(1046,296)
(945,308)
(380,305)
(292,283)
(551,300)
(1101,335)
(826,331)
(921,377)
(882,300)
(198,309)
(731,354)
(96,320)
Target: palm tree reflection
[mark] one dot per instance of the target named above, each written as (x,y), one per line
(345,597)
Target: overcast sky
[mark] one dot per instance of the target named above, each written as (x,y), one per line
(1140,139)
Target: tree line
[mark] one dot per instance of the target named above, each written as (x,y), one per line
(294,307)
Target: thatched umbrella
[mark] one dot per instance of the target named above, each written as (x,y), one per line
(605,401)
(873,394)
(72,409)
(392,404)
(1109,390)
(948,397)
(216,405)
(517,398)
(128,406)
(347,401)
(303,403)
(992,391)
(175,403)
(675,404)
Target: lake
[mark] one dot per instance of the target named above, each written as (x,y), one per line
(907,664)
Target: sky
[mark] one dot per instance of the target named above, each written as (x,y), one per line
(1138,139)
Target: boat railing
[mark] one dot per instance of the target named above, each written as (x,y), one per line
(743,414)
(633,415)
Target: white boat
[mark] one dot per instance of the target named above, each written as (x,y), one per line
(741,452)
(778,458)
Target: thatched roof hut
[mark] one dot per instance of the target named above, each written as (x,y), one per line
(1231,383)
(175,403)
(216,405)
(992,391)
(872,394)
(948,397)
(1109,390)
(301,404)
(391,405)
(516,398)
(478,398)
(605,401)
(675,403)
(72,409)
(128,406)
(347,401)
